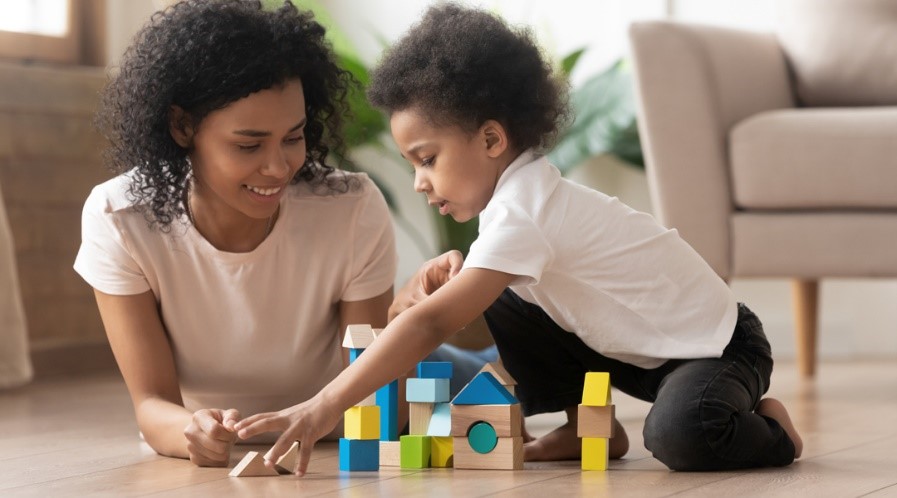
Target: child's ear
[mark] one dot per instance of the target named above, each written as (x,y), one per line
(495,137)
(180,126)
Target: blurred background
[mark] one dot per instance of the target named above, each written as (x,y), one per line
(53,56)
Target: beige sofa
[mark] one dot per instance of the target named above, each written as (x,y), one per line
(775,154)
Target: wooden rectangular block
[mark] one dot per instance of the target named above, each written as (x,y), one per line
(415,452)
(596,389)
(359,454)
(505,419)
(442,451)
(507,455)
(390,453)
(369,401)
(594,453)
(362,422)
(427,390)
(419,415)
(595,421)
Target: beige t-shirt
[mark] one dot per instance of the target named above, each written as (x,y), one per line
(628,287)
(254,331)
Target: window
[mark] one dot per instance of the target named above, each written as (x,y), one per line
(63,31)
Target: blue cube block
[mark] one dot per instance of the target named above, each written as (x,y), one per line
(434,370)
(359,454)
(427,390)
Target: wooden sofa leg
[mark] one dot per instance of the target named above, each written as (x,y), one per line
(805,298)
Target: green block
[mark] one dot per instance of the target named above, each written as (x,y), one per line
(482,437)
(414,452)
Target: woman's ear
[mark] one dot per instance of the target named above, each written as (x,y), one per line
(495,137)
(180,126)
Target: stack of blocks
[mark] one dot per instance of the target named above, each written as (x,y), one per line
(486,424)
(360,448)
(429,441)
(596,420)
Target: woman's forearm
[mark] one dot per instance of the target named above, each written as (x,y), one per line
(162,424)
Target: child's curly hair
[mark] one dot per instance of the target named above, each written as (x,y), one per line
(202,55)
(461,66)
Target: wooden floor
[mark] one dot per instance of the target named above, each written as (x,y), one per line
(77,437)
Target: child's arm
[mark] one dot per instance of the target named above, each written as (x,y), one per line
(144,356)
(405,341)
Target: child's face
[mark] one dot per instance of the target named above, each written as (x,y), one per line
(245,154)
(457,170)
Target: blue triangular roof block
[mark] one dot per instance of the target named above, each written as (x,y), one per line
(484,389)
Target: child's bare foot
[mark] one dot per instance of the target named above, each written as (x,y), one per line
(563,444)
(775,410)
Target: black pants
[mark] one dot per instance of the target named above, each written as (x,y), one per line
(702,416)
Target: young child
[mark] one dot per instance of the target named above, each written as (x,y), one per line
(228,256)
(570,280)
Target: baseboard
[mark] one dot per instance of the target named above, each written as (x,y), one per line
(72,359)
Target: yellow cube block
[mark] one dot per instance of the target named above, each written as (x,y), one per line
(442,450)
(594,453)
(362,422)
(596,389)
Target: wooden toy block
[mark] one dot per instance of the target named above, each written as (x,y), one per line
(507,455)
(419,415)
(505,419)
(434,370)
(594,453)
(388,401)
(362,422)
(390,453)
(596,389)
(481,437)
(359,454)
(415,452)
(595,421)
(252,465)
(427,390)
(442,450)
(369,401)
(358,336)
(354,353)
(441,420)
(287,462)
(484,389)
(499,372)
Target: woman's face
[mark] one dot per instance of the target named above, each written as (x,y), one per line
(245,154)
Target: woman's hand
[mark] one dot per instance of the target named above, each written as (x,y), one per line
(431,276)
(210,437)
(306,422)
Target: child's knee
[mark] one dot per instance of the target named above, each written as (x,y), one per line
(678,439)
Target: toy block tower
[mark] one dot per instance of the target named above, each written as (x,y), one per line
(596,421)
(429,440)
(486,421)
(360,448)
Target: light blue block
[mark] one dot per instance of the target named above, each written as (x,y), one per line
(388,400)
(354,353)
(427,390)
(359,454)
(434,370)
(441,420)
(484,389)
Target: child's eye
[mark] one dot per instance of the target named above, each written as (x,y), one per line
(427,162)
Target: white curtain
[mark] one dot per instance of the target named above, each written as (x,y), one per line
(15,362)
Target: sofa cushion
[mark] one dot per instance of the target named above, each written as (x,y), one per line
(816,159)
(841,52)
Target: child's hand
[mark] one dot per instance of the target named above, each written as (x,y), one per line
(431,276)
(306,422)
(210,437)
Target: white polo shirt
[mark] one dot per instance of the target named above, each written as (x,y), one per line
(255,331)
(631,289)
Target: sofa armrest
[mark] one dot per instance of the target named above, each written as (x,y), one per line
(694,83)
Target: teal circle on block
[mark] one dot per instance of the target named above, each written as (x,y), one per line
(482,437)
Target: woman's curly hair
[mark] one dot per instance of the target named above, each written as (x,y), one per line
(462,66)
(202,55)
